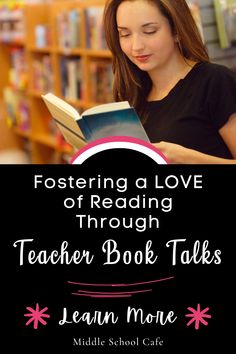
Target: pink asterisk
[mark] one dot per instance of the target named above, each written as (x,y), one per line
(197,316)
(36,316)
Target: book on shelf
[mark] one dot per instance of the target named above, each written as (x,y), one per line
(101,77)
(102,121)
(225,12)
(95,36)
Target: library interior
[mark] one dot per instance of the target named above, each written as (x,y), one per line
(59,46)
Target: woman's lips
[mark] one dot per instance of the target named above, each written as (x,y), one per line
(142,58)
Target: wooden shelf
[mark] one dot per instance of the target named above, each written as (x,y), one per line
(35,49)
(23,133)
(41,132)
(97,53)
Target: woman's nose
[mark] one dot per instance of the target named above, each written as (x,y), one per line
(137,43)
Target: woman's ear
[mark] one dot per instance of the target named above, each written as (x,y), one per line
(176,38)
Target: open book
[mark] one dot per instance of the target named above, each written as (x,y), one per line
(110,119)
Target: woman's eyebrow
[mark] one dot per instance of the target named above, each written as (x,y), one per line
(149,23)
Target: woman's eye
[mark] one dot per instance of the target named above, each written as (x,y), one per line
(150,32)
(123,34)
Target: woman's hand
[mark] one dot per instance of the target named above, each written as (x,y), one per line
(175,154)
(178,154)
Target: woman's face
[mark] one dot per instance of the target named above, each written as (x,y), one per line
(145,35)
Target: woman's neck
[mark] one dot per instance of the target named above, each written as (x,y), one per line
(164,79)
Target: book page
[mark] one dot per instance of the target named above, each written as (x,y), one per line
(66,118)
(107,107)
(62,105)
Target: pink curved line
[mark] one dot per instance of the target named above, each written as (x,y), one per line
(114,293)
(117,285)
(128,139)
(102,296)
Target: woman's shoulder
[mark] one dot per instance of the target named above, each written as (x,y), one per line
(216,71)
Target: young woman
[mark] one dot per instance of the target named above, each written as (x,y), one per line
(187,104)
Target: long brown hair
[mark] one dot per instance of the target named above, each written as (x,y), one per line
(131,83)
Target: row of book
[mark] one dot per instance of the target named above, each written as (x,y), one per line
(18,73)
(225,16)
(42,74)
(12,27)
(68,24)
(225,11)
(17,108)
(95,37)
(18,116)
(72,79)
(101,77)
(69,28)
(71,76)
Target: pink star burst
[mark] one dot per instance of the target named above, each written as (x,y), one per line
(198,316)
(36,316)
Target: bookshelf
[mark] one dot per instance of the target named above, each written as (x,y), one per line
(61,52)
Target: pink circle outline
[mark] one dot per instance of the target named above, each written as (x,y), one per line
(118,139)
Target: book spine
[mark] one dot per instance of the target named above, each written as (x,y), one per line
(85,129)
